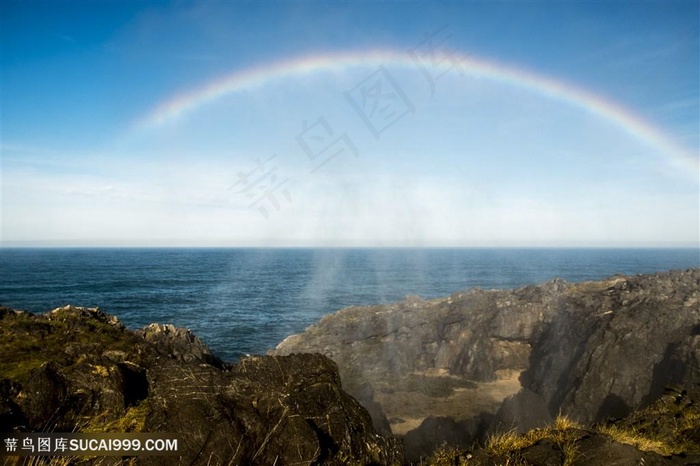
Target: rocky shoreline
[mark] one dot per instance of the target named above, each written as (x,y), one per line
(483,360)
(78,369)
(545,360)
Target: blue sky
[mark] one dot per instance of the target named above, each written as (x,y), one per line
(478,160)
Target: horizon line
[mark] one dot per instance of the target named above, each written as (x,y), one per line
(49,245)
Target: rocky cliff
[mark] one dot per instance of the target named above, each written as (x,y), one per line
(610,349)
(445,370)
(588,350)
(78,369)
(665,433)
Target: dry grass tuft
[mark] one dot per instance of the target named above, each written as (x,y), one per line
(636,439)
(507,447)
(665,427)
(449,456)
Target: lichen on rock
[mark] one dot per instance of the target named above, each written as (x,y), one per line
(78,369)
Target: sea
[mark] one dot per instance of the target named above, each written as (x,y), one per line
(245,301)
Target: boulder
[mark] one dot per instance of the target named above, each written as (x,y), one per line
(78,369)
(178,343)
(615,346)
(589,350)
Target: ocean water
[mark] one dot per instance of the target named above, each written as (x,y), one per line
(248,300)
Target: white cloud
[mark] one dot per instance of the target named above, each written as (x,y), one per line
(183,204)
(503,169)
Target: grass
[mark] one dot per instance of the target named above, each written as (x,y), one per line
(636,439)
(133,420)
(28,341)
(22,340)
(449,456)
(563,432)
(666,427)
(662,427)
(76,346)
(69,461)
(506,447)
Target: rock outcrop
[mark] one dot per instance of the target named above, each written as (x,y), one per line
(615,348)
(78,369)
(664,433)
(590,350)
(447,370)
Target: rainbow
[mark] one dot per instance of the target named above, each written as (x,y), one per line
(560,91)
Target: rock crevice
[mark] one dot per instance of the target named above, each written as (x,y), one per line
(78,369)
(588,350)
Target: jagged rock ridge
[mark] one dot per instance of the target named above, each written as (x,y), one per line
(78,369)
(589,350)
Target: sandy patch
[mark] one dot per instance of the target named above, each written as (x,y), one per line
(406,410)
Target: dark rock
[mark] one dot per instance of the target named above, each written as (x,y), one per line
(44,395)
(603,450)
(544,453)
(583,448)
(525,411)
(451,334)
(178,343)
(268,409)
(660,434)
(681,362)
(364,394)
(420,442)
(10,413)
(673,419)
(589,350)
(632,337)
(78,368)
(430,348)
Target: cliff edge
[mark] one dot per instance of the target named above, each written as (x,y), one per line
(78,369)
(455,368)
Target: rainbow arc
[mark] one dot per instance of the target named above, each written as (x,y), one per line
(607,110)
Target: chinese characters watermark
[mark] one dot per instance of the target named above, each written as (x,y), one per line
(261,185)
(435,57)
(378,100)
(317,141)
